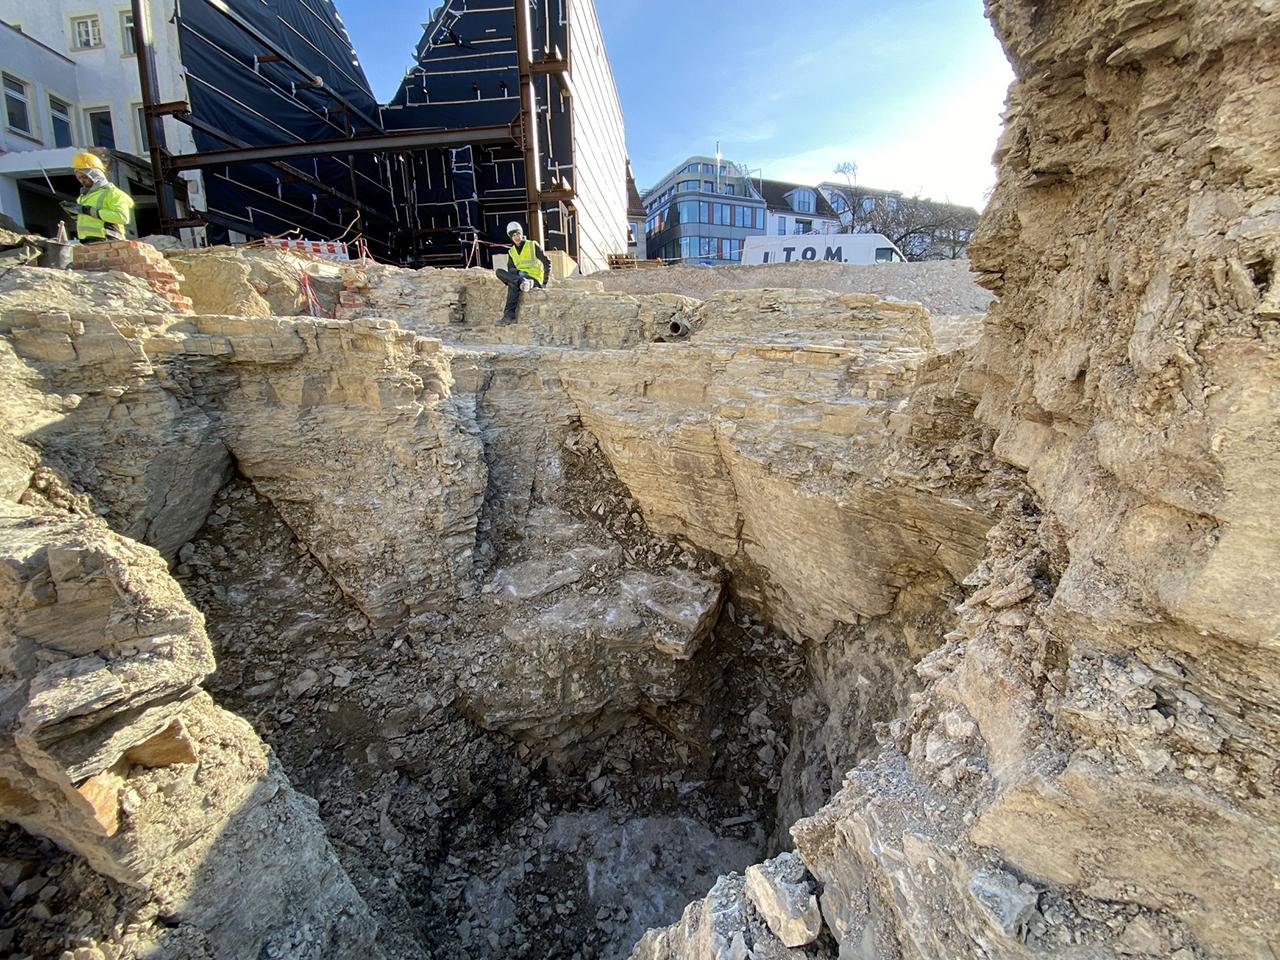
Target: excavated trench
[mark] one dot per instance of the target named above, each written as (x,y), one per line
(464,840)
(554,633)
(533,728)
(467,842)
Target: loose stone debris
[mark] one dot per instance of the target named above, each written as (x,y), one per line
(774,624)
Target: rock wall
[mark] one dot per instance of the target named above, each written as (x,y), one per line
(780,438)
(83,391)
(1090,769)
(109,746)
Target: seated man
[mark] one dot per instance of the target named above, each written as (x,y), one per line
(527,267)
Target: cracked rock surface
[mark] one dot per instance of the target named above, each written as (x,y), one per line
(779,624)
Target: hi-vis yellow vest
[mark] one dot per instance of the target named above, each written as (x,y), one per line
(115,208)
(526,260)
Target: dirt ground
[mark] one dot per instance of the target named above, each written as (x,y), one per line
(943,286)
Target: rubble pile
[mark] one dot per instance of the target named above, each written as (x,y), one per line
(137,260)
(778,623)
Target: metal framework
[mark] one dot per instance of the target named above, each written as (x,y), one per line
(366,135)
(379,143)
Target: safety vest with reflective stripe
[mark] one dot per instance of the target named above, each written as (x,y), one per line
(525,259)
(115,209)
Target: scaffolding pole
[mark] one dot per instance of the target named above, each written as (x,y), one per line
(153,123)
(528,121)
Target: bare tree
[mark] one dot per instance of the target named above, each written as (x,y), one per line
(922,229)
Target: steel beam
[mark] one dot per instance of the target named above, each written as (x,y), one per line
(168,108)
(290,170)
(380,143)
(150,85)
(529,119)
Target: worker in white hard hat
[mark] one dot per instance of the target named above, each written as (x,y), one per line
(102,210)
(527,267)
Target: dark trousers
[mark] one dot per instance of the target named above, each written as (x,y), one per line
(511,277)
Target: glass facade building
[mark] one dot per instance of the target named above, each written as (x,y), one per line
(702,212)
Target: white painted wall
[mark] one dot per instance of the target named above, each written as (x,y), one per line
(45,73)
(107,76)
(599,147)
(790,217)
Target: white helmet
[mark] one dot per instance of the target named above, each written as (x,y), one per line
(514,227)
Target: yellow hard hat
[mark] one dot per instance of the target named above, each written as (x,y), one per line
(88,161)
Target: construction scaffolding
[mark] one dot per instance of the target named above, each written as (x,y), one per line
(291,139)
(484,64)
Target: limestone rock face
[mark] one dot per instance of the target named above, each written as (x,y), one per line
(782,896)
(723,926)
(1089,767)
(328,418)
(129,432)
(466,305)
(779,438)
(108,746)
(585,639)
(254,282)
(352,431)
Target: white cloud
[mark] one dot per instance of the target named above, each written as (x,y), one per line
(939,147)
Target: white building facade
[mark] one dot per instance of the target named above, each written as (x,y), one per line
(74,64)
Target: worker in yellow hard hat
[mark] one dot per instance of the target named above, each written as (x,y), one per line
(102,210)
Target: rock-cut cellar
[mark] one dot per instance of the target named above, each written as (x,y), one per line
(772,623)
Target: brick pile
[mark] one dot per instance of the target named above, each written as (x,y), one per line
(353,297)
(139,260)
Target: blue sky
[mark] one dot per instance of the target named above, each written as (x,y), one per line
(909,91)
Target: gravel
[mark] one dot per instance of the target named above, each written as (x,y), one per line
(943,286)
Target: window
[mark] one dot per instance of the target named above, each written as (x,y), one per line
(728,189)
(126,33)
(16,114)
(802,201)
(782,226)
(708,186)
(60,122)
(804,226)
(144,140)
(886,255)
(86,33)
(101,133)
(838,203)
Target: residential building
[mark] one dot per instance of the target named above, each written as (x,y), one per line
(702,211)
(705,208)
(71,81)
(795,208)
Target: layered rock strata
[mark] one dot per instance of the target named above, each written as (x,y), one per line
(1090,769)
(110,747)
(442,486)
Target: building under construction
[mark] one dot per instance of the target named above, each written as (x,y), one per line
(509,113)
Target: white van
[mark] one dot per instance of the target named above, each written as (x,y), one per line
(837,247)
